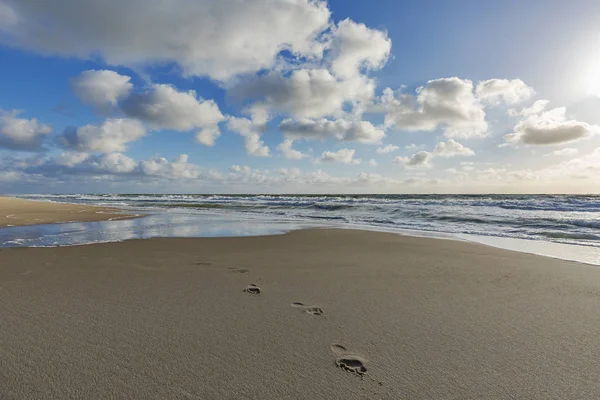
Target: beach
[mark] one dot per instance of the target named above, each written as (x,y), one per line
(20,212)
(382,316)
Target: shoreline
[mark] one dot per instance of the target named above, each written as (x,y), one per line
(53,213)
(170,318)
(15,211)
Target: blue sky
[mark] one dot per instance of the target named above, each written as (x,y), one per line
(299,96)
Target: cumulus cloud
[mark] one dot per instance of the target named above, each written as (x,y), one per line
(387,149)
(344,156)
(305,93)
(100,88)
(71,158)
(164,107)
(548,128)
(373,162)
(288,152)
(536,108)
(452,148)
(215,38)
(355,47)
(446,102)
(497,91)
(569,151)
(586,167)
(112,136)
(161,106)
(20,133)
(340,129)
(77,163)
(179,168)
(250,131)
(115,164)
(421,159)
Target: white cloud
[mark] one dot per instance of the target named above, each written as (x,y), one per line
(251,134)
(354,47)
(244,169)
(569,151)
(288,152)
(216,38)
(164,107)
(387,149)
(418,160)
(340,129)
(100,88)
(112,136)
(344,156)
(71,158)
(305,93)
(208,136)
(585,167)
(446,102)
(179,168)
(550,127)
(21,134)
(11,176)
(115,163)
(497,91)
(8,17)
(161,106)
(452,148)
(536,108)
(372,162)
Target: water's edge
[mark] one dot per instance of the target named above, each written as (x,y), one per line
(175,224)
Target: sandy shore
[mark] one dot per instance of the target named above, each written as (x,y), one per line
(169,319)
(17,212)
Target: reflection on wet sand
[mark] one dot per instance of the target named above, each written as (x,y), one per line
(164,224)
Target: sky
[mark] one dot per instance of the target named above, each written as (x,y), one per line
(299,96)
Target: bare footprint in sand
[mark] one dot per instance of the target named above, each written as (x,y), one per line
(238,270)
(349,362)
(204,263)
(252,289)
(354,364)
(308,309)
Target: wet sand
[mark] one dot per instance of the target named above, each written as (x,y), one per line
(314,314)
(19,212)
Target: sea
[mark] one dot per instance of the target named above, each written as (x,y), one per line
(562,226)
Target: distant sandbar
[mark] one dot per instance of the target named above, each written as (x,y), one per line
(19,212)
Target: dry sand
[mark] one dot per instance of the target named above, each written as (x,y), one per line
(16,212)
(180,319)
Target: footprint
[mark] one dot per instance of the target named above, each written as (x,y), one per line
(314,311)
(204,263)
(349,362)
(338,349)
(354,364)
(252,289)
(308,309)
(238,270)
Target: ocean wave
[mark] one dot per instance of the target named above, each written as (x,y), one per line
(551,217)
